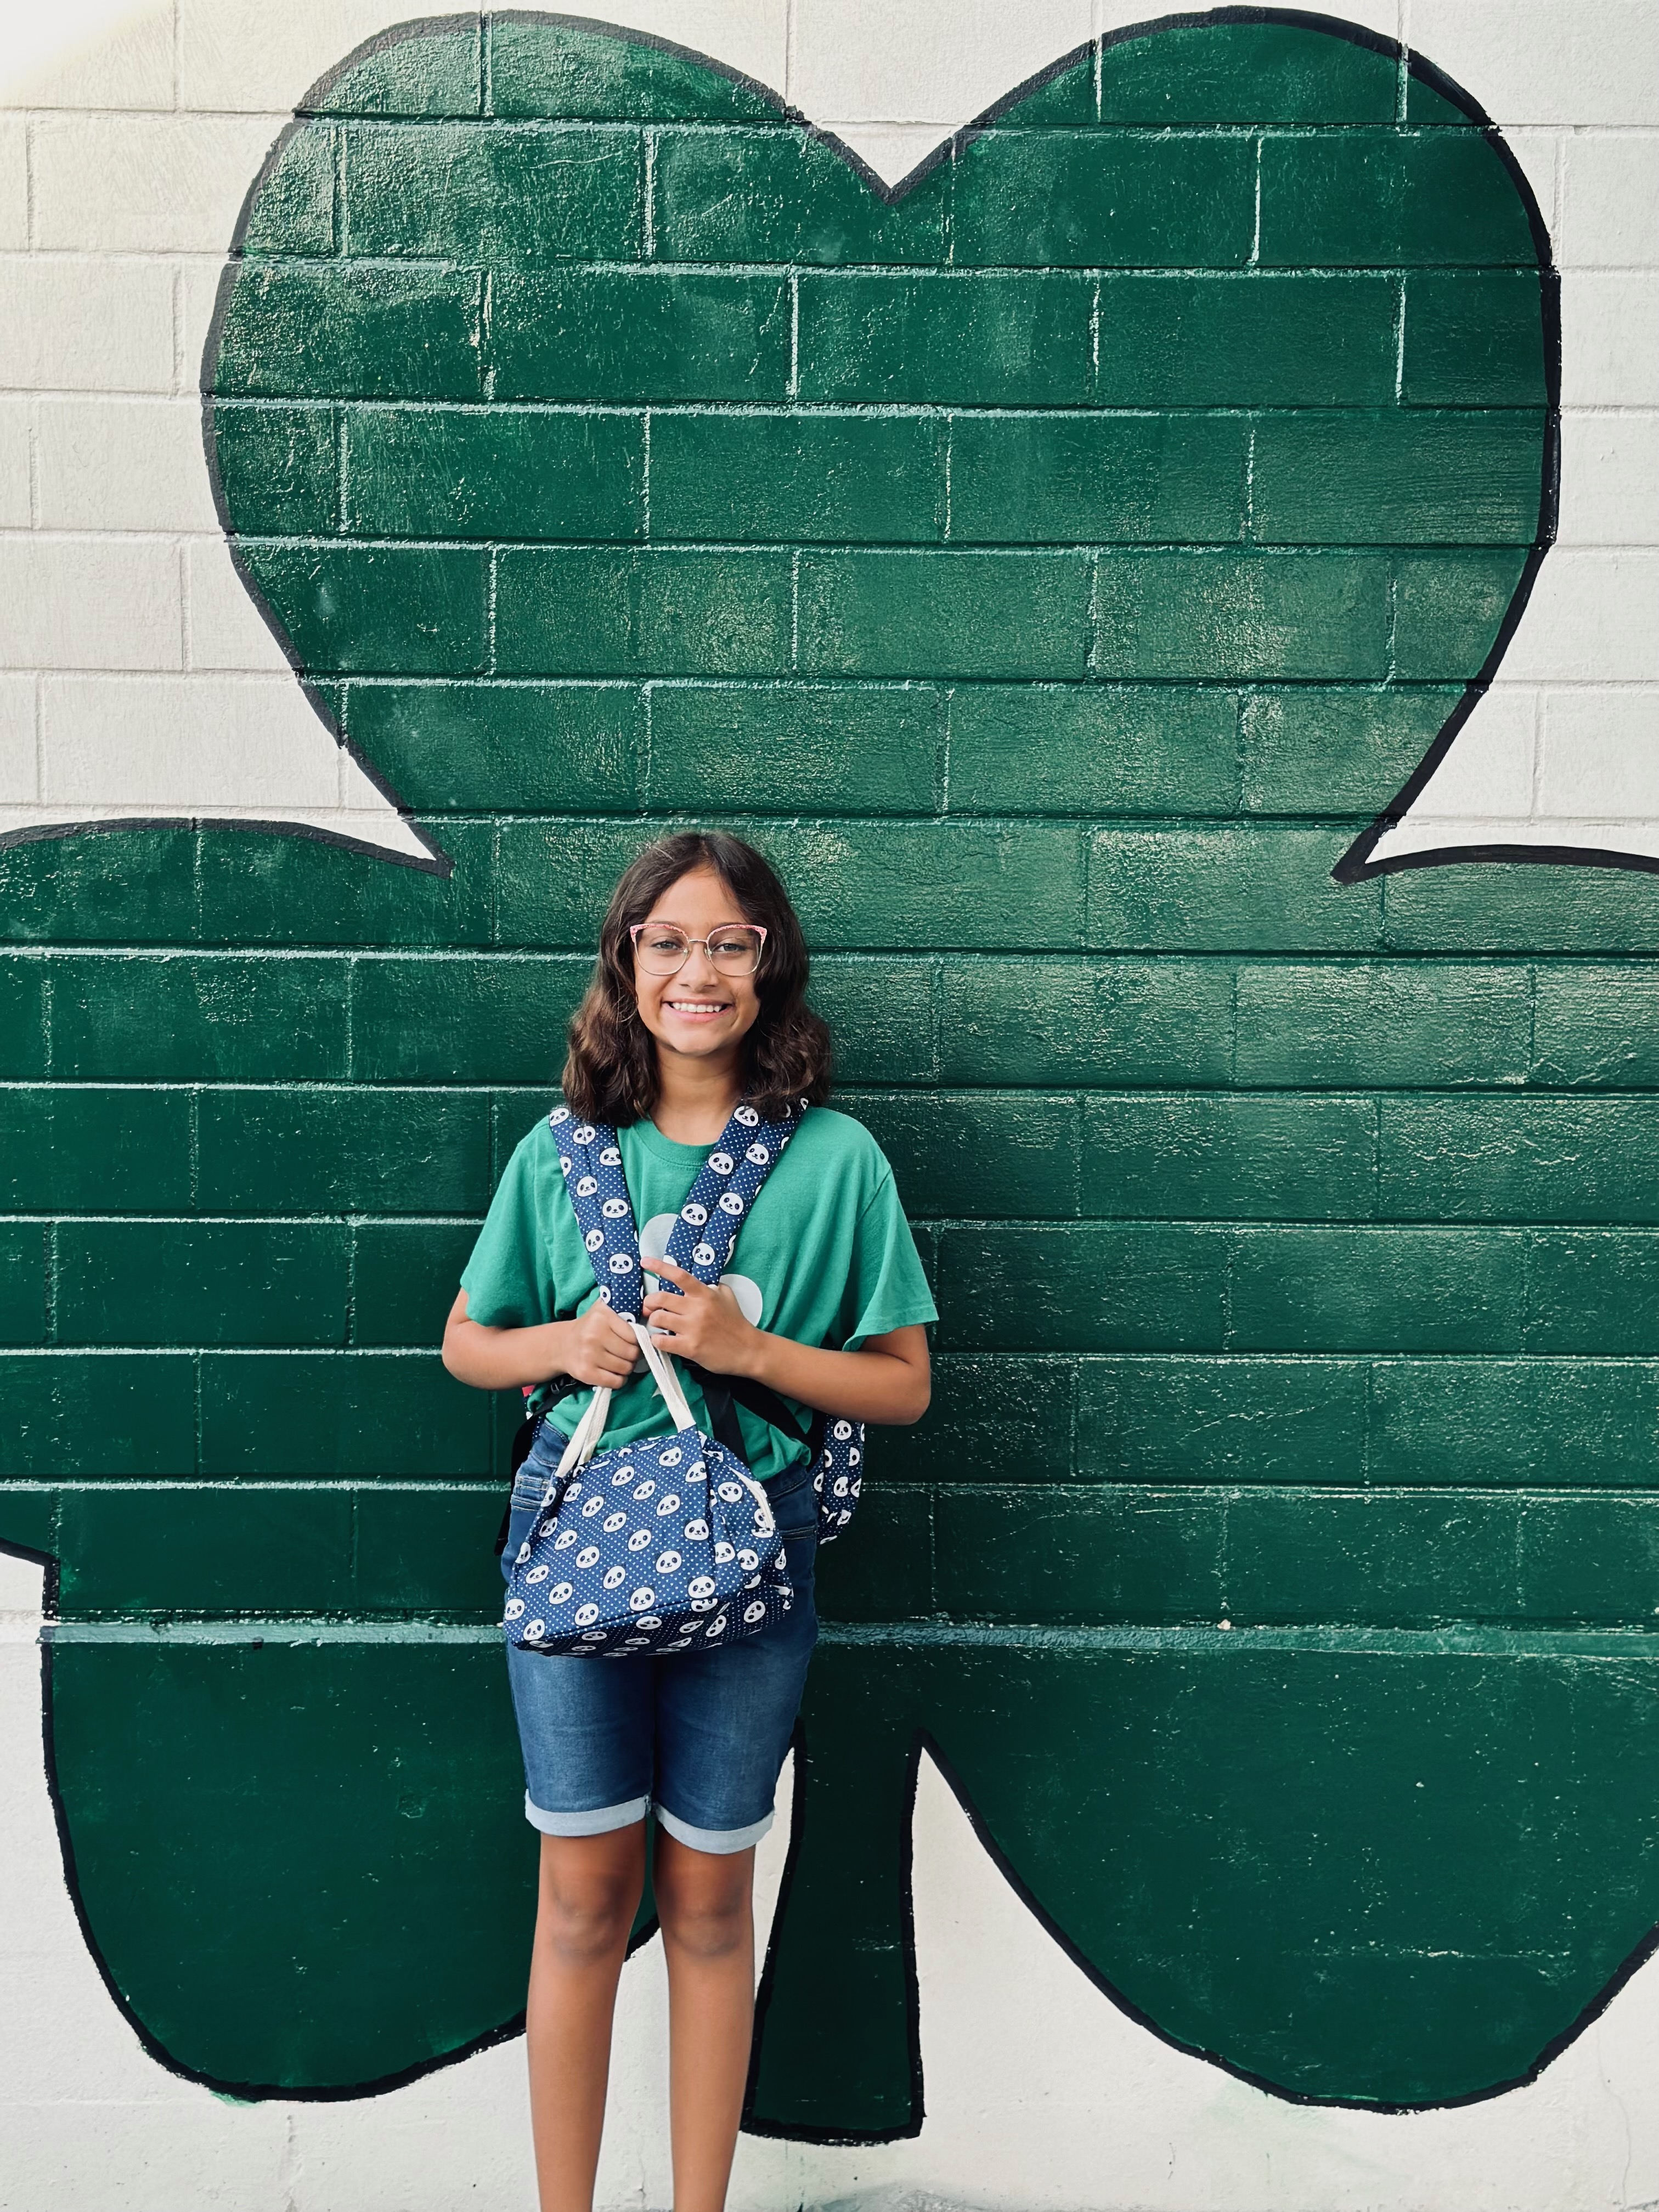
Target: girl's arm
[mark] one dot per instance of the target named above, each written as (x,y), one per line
(599,1348)
(888,1381)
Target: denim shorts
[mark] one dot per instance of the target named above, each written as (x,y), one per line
(697,1739)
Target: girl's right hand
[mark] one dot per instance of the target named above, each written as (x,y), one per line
(601,1349)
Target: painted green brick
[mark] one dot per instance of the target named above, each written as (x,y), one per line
(404,1275)
(98,1413)
(1449,609)
(1491,907)
(1266,340)
(24,1263)
(1073,1556)
(987,1154)
(1264,888)
(890,1576)
(100,887)
(296,891)
(638,335)
(869,479)
(414,71)
(846,748)
(1093,748)
(512,196)
(1105,198)
(1392,1023)
(295,211)
(495,472)
(977,339)
(1521,1159)
(368,331)
(553,879)
(1557,1422)
(1377,1290)
(1399,477)
(1390,199)
(881,1014)
(1406,1559)
(1245,72)
(108,1151)
(1028,1403)
(1088,1286)
(428,1551)
(1066,101)
(22,1017)
(276,465)
(1178,1156)
(1596,1291)
(509,746)
(1227,1420)
(870,613)
(202,1282)
(1087,1021)
(1474,338)
(673,611)
(540,67)
(496,1019)
(1595,1026)
(1225,615)
(198,1550)
(362,608)
(1025,478)
(976,886)
(1589,1560)
(782,196)
(338,1414)
(186,1018)
(328,1150)
(1336,749)
(29,1516)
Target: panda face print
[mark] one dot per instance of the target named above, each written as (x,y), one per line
(669,1504)
(646,1489)
(700,1586)
(747,1116)
(594,1239)
(622,1478)
(666,1562)
(613,1578)
(613,1521)
(731,1203)
(721,1162)
(748,1560)
(639,1540)
(610,1156)
(842,1430)
(535,1631)
(621,1263)
(716,1626)
(756,1611)
(587,1186)
(615,1209)
(588,1556)
(696,1532)
(642,1601)
(729,1491)
(538,1574)
(671,1457)
(759,1154)
(594,1505)
(694,1216)
(560,1594)
(703,1255)
(583,1134)
(515,1607)
(559,1117)
(725,1551)
(564,1540)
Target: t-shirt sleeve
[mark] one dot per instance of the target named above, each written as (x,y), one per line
(885,1288)
(509,1280)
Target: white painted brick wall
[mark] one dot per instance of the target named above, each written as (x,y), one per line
(135,675)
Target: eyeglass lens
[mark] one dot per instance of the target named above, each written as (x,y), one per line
(732,951)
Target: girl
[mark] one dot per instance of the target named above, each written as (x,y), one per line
(697,1001)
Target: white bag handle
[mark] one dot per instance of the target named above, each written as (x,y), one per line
(591,1427)
(667,1381)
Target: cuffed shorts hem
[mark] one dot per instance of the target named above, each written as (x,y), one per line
(720,1841)
(599,1822)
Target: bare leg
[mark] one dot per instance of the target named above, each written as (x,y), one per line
(590,1890)
(705,1902)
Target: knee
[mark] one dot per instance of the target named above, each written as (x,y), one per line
(712,1921)
(583,1921)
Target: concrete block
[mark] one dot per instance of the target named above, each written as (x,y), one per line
(81,324)
(242,56)
(1610,205)
(1590,621)
(14,486)
(1610,340)
(751,35)
(144,184)
(1535,61)
(120,464)
(182,744)
(930,64)
(1599,754)
(197,292)
(225,629)
(123,60)
(18,754)
(90,603)
(1489,769)
(13,183)
(1610,479)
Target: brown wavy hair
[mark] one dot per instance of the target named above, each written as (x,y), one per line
(610,1073)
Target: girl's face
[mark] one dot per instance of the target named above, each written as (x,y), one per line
(696,1014)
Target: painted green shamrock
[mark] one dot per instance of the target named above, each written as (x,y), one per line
(1058,562)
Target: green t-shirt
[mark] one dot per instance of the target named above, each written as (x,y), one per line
(825,1256)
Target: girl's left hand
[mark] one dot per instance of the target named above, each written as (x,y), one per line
(704,1325)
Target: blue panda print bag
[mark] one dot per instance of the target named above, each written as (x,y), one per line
(668,1544)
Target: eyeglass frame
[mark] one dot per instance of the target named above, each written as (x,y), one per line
(758,928)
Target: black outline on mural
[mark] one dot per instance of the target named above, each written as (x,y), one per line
(1352,868)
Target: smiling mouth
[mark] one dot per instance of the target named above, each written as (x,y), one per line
(697,1010)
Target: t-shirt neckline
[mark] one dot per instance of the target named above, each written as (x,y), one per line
(667,1149)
